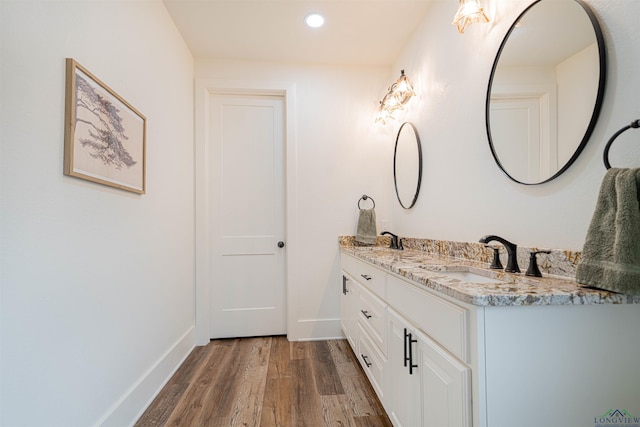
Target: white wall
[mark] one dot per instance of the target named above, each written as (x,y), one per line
(341,154)
(464,194)
(96,283)
(576,75)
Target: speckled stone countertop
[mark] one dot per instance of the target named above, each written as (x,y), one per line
(508,289)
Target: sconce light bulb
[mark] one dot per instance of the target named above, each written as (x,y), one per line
(398,95)
(392,103)
(469,12)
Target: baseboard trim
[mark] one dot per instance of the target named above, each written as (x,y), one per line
(127,410)
(316,329)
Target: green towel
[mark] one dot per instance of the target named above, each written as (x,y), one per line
(367,232)
(611,253)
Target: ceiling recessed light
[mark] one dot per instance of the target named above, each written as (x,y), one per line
(314,20)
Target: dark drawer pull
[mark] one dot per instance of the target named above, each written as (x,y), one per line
(366,277)
(366,362)
(366,314)
(345,290)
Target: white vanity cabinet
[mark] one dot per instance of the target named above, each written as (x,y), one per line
(436,361)
(428,385)
(364,317)
(412,345)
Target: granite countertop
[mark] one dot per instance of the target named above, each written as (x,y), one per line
(512,289)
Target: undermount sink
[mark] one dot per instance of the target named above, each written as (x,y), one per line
(470,277)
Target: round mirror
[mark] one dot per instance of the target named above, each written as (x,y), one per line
(545,90)
(407,165)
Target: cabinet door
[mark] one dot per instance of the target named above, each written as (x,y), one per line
(348,315)
(403,385)
(446,386)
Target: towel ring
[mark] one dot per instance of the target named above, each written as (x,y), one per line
(365,197)
(605,155)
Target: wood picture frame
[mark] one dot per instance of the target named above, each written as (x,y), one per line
(104,136)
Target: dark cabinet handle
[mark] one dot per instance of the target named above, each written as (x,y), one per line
(281,244)
(406,357)
(344,285)
(366,362)
(408,351)
(366,276)
(366,314)
(411,365)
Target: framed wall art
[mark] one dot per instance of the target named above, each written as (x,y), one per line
(104,136)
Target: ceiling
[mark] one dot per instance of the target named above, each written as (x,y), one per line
(356,32)
(541,37)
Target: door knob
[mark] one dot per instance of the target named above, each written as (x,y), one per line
(281,244)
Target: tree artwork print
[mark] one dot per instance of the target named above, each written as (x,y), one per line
(104,135)
(105,130)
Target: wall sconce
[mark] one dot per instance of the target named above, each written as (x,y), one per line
(398,95)
(469,12)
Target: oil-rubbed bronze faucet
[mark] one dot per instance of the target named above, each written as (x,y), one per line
(395,242)
(512,249)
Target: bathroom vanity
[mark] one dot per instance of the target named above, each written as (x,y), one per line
(447,342)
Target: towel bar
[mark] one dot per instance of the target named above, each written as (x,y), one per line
(605,155)
(365,197)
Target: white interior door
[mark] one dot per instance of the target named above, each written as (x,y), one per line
(515,130)
(246,142)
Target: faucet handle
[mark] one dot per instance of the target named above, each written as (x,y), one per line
(533,269)
(495,264)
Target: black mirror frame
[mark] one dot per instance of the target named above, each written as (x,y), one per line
(599,97)
(395,151)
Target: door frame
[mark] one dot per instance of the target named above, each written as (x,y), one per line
(204,89)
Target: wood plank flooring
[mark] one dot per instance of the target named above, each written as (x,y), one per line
(268,382)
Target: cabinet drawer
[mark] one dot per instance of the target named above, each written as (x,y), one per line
(371,277)
(372,312)
(372,362)
(445,322)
